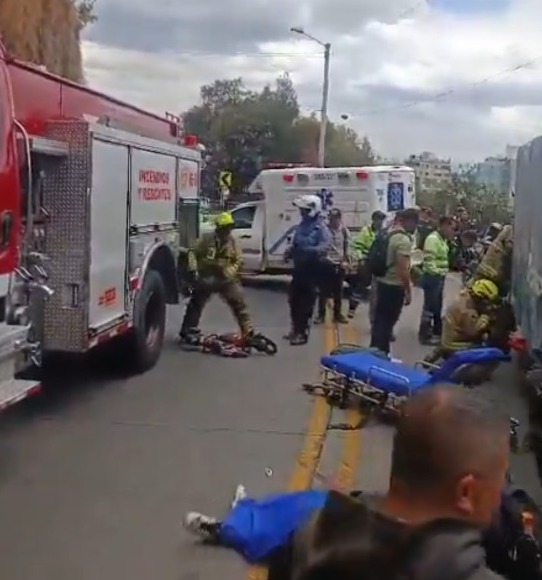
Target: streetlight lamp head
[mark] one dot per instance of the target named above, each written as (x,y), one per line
(297,30)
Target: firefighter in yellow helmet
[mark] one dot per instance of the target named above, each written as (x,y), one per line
(467,325)
(496,264)
(215,264)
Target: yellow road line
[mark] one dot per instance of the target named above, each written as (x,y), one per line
(308,458)
(345,476)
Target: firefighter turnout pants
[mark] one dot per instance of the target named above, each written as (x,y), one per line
(230,291)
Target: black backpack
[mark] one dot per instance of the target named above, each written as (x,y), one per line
(377,258)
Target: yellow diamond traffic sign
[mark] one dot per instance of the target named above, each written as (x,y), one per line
(225,179)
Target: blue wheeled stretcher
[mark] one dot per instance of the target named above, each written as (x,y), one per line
(375,379)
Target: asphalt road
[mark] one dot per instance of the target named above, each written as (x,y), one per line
(96,474)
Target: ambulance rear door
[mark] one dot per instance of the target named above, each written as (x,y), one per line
(347,189)
(399,188)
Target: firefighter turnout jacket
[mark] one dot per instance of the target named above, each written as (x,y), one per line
(496,263)
(463,325)
(212,256)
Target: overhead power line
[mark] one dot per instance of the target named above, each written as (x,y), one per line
(442,95)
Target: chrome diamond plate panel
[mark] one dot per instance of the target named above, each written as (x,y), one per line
(66,199)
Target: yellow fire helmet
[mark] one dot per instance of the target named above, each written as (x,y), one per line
(485,289)
(224,220)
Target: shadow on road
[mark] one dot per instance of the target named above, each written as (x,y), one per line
(67,381)
(272,283)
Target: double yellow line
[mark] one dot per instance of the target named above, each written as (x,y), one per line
(308,458)
(345,474)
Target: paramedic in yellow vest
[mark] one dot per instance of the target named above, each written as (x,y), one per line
(468,319)
(216,263)
(496,265)
(435,266)
(360,245)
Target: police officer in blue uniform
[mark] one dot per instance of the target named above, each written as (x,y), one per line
(310,245)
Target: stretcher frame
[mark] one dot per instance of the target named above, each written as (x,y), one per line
(339,389)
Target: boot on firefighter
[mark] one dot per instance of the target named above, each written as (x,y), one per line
(467,324)
(215,263)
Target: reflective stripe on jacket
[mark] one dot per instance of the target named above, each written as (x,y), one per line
(211,256)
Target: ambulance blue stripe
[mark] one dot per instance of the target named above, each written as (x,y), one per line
(282,239)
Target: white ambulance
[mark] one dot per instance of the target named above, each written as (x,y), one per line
(264,227)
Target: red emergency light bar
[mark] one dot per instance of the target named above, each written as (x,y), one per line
(288,177)
(190,141)
(362,175)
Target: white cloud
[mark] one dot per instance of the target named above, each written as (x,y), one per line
(386,75)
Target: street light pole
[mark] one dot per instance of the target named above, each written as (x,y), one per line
(323,115)
(325,94)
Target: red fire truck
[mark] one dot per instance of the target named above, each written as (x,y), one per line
(97,200)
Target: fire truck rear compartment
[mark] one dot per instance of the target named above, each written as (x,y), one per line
(108,216)
(104,231)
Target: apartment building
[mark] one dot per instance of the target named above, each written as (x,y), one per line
(432,173)
(494,173)
(498,173)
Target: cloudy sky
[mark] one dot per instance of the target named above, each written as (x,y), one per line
(461,78)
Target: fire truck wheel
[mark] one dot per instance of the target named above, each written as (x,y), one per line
(149,323)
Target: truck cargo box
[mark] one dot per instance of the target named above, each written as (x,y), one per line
(527,259)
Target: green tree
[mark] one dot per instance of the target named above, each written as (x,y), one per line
(243,129)
(484,204)
(86,12)
(343,145)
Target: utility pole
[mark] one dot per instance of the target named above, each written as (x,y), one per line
(325,93)
(323,114)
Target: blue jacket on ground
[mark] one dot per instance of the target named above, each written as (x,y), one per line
(256,527)
(312,240)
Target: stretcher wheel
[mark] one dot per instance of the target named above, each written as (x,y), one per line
(334,398)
